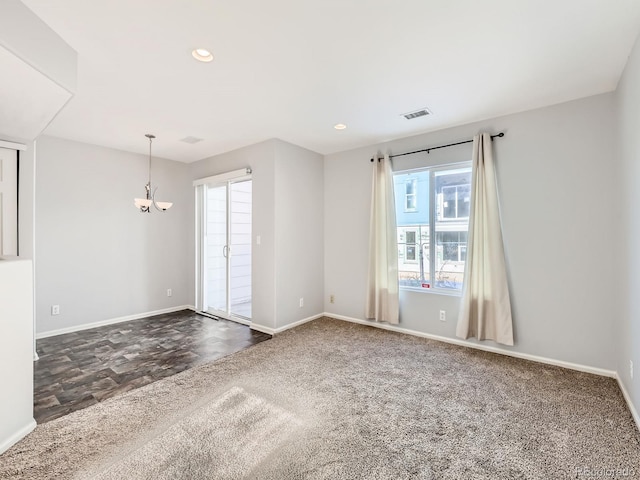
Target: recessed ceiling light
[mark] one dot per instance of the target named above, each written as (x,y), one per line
(340,126)
(202,55)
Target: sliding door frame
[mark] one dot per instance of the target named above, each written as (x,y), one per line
(201,185)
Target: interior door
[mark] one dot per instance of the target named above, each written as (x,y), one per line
(8,202)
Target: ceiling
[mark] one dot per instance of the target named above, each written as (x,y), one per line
(29,99)
(292,69)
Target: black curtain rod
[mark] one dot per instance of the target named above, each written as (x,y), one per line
(501,134)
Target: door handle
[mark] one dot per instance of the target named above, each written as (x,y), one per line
(225,251)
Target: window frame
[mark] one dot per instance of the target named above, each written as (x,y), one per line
(433,219)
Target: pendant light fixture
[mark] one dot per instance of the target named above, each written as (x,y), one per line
(144,204)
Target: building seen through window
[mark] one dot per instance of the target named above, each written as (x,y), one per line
(433,203)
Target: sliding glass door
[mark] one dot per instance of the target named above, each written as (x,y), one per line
(216,269)
(240,249)
(225,248)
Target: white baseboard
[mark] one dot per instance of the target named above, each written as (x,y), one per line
(262,328)
(273,331)
(16,437)
(110,321)
(627,397)
(463,343)
(299,322)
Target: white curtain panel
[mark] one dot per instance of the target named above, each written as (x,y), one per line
(382,282)
(485,310)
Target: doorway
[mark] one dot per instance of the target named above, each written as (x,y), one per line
(8,202)
(225,248)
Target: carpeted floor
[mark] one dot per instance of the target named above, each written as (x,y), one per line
(335,400)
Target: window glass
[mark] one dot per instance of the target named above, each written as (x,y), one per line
(449,190)
(411,196)
(411,246)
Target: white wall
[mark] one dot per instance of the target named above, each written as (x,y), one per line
(556,183)
(260,157)
(288,217)
(16,361)
(97,256)
(557,189)
(299,212)
(628,331)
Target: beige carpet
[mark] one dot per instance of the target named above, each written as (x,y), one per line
(225,438)
(335,400)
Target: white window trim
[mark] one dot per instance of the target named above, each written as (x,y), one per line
(235,175)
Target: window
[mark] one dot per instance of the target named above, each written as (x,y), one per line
(411,196)
(410,246)
(455,201)
(446,194)
(453,246)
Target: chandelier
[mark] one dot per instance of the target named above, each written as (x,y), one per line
(144,204)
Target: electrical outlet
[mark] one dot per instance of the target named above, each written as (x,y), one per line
(55,309)
(301,302)
(332,299)
(258,239)
(169,292)
(443,316)
(631,368)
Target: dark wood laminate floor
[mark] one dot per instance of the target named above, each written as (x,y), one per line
(79,369)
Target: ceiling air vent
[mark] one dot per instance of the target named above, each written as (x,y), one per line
(191,140)
(423,112)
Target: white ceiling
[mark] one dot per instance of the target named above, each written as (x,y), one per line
(29,99)
(292,69)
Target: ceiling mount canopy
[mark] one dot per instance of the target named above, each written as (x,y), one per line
(144,204)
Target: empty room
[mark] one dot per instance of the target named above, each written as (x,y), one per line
(319,240)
